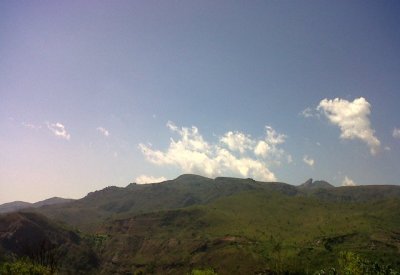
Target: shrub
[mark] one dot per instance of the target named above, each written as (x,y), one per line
(23,267)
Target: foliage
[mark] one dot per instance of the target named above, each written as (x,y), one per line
(351,263)
(24,267)
(208,271)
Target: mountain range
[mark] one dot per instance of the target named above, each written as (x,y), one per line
(228,225)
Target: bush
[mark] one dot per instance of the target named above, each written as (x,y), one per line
(23,267)
(353,264)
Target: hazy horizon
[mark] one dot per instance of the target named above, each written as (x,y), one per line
(101,93)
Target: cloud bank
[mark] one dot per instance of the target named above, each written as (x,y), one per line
(235,153)
(58,130)
(352,119)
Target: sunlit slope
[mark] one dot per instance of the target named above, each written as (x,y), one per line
(254,231)
(186,190)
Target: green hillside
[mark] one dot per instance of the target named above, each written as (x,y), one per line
(224,225)
(254,232)
(117,202)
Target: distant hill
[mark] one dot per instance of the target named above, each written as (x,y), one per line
(361,193)
(187,190)
(184,191)
(14,206)
(19,205)
(312,185)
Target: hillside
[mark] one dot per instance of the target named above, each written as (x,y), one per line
(186,190)
(234,226)
(26,234)
(19,205)
(118,202)
(252,232)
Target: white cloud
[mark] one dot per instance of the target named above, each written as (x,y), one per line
(309,161)
(307,112)
(143,179)
(396,133)
(348,182)
(58,130)
(192,154)
(237,141)
(273,137)
(352,119)
(103,131)
(269,146)
(262,148)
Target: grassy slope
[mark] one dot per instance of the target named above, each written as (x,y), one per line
(115,202)
(253,231)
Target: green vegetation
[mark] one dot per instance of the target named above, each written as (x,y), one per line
(194,225)
(258,231)
(353,264)
(203,272)
(23,267)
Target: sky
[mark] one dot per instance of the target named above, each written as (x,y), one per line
(100,93)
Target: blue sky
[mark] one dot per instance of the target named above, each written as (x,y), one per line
(100,93)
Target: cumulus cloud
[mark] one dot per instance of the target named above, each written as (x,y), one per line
(143,179)
(269,145)
(103,131)
(309,161)
(262,148)
(352,119)
(396,133)
(237,141)
(348,182)
(235,153)
(58,130)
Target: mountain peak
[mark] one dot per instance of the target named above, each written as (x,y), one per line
(318,184)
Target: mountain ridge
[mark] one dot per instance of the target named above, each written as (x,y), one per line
(20,205)
(209,187)
(232,225)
